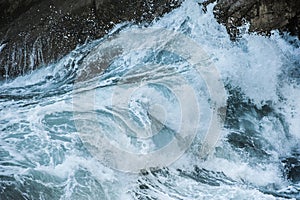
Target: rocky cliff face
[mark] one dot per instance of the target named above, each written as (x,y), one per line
(263,15)
(36,32)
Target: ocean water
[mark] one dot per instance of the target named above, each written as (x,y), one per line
(170,110)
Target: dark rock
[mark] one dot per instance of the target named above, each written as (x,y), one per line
(37,32)
(263,15)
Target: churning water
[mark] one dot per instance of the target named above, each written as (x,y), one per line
(82,128)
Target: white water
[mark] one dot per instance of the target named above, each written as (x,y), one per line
(42,155)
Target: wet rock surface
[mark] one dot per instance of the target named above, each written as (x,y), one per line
(263,15)
(37,32)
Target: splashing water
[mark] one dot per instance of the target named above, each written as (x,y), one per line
(49,146)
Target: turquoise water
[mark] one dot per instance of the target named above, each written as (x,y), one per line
(54,119)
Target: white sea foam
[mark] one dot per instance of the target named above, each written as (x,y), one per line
(49,143)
